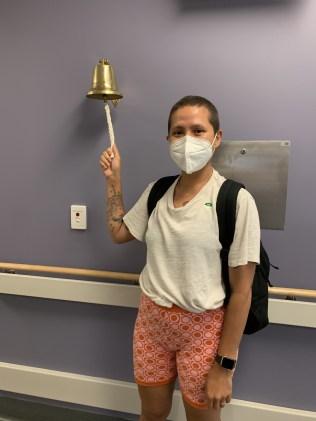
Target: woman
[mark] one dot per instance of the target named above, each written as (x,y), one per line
(182,328)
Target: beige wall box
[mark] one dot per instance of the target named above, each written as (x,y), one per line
(78,217)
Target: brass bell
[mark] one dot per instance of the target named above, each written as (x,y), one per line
(103,83)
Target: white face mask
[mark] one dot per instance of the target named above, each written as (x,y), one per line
(191,153)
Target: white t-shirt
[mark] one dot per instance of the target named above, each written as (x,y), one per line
(183,264)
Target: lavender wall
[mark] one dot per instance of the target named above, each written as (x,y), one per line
(254,59)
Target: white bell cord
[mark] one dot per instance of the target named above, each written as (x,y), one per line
(109,121)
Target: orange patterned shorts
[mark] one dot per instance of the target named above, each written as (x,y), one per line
(172,342)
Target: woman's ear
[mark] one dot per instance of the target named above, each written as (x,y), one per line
(218,140)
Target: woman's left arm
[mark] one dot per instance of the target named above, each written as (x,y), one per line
(219,381)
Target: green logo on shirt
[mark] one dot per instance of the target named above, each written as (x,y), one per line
(208,204)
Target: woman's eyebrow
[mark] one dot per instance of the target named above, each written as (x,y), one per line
(177,128)
(197,126)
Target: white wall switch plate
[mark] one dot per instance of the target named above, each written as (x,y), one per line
(78,217)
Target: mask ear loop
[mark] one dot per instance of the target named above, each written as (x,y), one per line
(214,139)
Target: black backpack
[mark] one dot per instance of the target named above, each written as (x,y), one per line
(226,211)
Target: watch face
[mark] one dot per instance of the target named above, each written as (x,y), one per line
(228,363)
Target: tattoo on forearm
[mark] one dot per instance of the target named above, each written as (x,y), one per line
(115,208)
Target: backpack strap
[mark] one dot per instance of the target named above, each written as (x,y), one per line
(158,190)
(226,211)
(226,215)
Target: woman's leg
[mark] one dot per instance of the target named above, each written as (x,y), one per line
(155,368)
(156,401)
(195,414)
(201,337)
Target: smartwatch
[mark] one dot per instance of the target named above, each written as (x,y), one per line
(225,362)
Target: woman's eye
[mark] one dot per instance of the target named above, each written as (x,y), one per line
(198,131)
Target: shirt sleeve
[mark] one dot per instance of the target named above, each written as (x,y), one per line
(246,243)
(136,219)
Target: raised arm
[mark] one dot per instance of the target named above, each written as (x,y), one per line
(110,163)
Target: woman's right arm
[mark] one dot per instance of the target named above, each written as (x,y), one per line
(110,163)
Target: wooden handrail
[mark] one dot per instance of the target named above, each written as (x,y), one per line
(293,292)
(133,277)
(70,271)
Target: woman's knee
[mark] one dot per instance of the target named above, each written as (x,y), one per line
(156,412)
(195,414)
(153,416)
(156,402)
